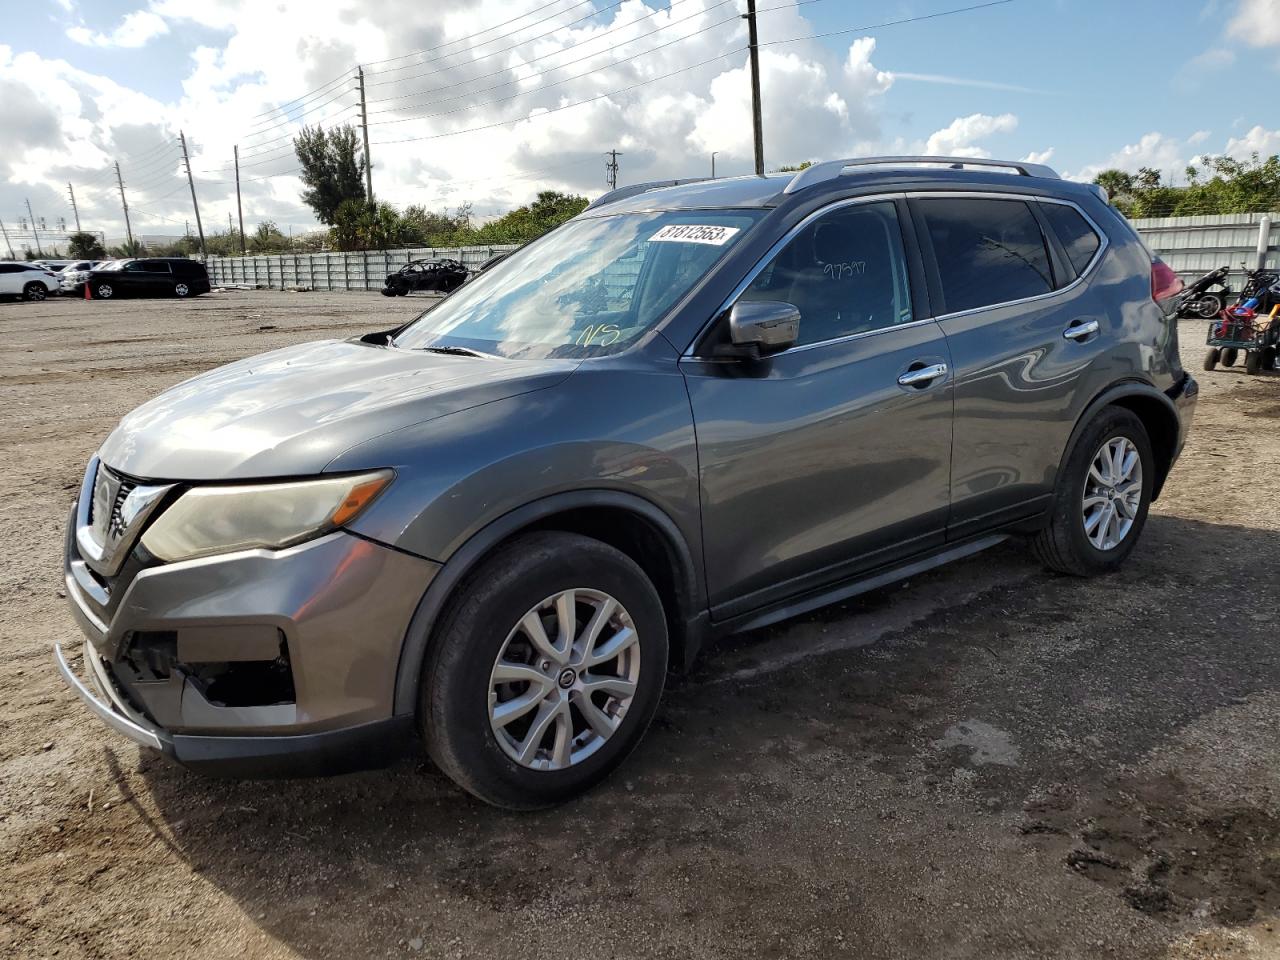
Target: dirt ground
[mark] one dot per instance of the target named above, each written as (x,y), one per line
(989,761)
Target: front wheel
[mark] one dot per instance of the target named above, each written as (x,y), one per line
(1101,499)
(1229,355)
(1253,362)
(35,292)
(1211,358)
(103,291)
(545,671)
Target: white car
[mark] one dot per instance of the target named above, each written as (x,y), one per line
(72,277)
(27,280)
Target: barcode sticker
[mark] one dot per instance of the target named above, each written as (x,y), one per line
(694,233)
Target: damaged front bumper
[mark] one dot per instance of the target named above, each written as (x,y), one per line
(256,663)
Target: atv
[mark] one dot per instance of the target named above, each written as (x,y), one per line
(437,276)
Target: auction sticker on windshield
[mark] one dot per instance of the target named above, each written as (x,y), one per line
(694,233)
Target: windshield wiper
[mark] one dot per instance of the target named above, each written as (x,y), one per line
(455,351)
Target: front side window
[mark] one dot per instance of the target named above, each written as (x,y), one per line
(588,288)
(845,272)
(988,251)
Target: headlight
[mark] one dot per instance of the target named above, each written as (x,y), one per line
(209,520)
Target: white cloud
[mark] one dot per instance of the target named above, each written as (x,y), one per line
(1256,23)
(137,29)
(1153,150)
(1200,136)
(950,81)
(958,139)
(1039,156)
(1259,140)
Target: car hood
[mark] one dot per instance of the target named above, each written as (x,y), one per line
(292,411)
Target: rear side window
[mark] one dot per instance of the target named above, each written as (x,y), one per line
(1074,232)
(988,251)
(155,266)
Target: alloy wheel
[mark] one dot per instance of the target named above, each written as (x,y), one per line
(36,292)
(564,679)
(181,290)
(104,291)
(1112,493)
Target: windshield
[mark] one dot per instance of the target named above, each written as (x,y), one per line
(588,288)
(113,265)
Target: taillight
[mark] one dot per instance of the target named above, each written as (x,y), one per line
(1165,284)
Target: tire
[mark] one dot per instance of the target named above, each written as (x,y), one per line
(1064,545)
(1268,358)
(1228,357)
(1211,358)
(1208,306)
(103,291)
(35,292)
(388,292)
(181,291)
(483,624)
(1253,362)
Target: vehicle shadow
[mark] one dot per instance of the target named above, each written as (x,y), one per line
(908,797)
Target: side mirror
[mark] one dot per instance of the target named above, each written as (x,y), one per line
(759,327)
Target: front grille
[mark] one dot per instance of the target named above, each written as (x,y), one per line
(115,526)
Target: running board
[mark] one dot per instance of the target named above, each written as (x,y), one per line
(813,601)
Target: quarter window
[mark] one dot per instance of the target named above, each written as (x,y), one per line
(1074,232)
(845,272)
(987,251)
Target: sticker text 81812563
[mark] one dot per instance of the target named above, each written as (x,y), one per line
(711,234)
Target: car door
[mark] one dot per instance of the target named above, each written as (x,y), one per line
(831,457)
(11,279)
(1022,338)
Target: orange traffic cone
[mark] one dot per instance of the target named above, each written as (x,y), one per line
(87,294)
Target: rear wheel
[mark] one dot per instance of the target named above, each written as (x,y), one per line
(1208,306)
(35,291)
(1228,357)
(1102,496)
(1268,358)
(1211,358)
(181,290)
(545,671)
(1253,362)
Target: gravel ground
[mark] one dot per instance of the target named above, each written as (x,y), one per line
(988,761)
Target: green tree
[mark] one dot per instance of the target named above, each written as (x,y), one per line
(1216,185)
(85,246)
(267,239)
(332,169)
(531,221)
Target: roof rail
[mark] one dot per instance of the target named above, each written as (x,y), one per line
(830,169)
(633,189)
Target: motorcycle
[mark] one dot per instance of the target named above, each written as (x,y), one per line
(1200,301)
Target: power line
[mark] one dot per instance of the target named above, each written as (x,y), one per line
(415,53)
(555,83)
(320,89)
(567,63)
(888,23)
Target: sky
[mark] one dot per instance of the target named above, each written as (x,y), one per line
(488,101)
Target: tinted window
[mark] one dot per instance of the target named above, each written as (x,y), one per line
(9,268)
(1073,232)
(846,273)
(988,251)
(155,266)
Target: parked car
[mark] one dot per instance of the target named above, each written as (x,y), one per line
(148,277)
(440,275)
(54,265)
(29,281)
(71,278)
(689,411)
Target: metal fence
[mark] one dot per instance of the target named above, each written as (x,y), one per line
(1195,245)
(1190,245)
(357,270)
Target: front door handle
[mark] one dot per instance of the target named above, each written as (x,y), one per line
(1081,330)
(923,376)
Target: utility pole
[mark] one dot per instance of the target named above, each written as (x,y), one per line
(757,123)
(611,169)
(364,129)
(239,209)
(713,163)
(124,203)
(6,240)
(192,184)
(74,209)
(34,232)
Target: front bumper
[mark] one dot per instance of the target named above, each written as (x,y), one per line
(169,647)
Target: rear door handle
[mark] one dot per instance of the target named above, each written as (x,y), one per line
(1081,330)
(923,376)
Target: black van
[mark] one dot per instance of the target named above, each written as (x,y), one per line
(149,277)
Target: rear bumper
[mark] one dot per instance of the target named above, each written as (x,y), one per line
(1184,396)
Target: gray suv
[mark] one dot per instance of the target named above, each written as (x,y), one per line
(697,408)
